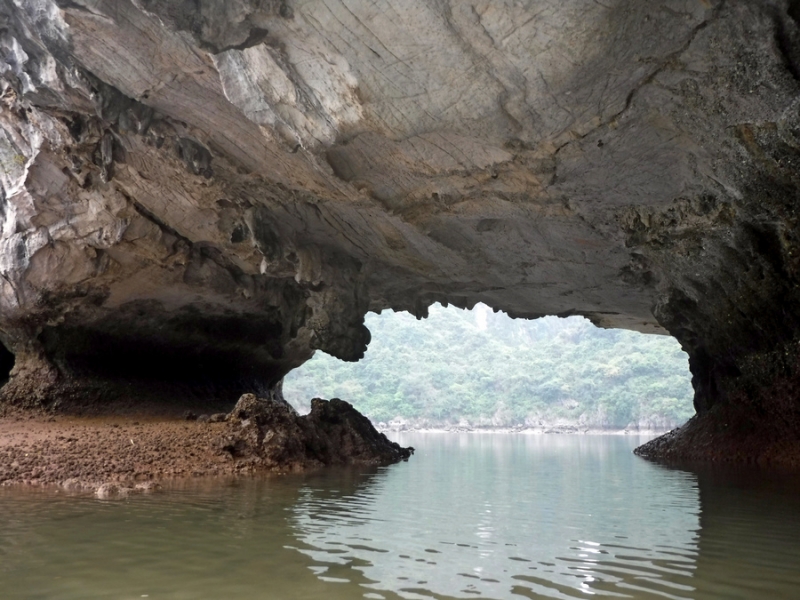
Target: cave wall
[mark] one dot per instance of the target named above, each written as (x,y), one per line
(212,190)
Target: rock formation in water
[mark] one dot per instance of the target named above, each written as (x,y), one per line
(198,194)
(268,434)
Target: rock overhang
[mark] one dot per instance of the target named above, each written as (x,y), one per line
(170,166)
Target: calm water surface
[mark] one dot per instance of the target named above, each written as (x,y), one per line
(470,516)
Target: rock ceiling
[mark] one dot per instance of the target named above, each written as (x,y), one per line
(217,188)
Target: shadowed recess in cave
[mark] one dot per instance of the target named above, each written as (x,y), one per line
(181,347)
(179,357)
(6,364)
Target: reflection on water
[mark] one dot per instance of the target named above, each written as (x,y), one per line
(497,515)
(470,516)
(750,535)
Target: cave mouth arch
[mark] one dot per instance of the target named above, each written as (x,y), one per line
(7,360)
(480,369)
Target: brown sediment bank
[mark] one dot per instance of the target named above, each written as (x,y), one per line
(111,455)
(46,450)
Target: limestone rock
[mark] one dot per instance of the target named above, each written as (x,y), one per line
(197,195)
(268,434)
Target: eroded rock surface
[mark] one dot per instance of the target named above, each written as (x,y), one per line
(197,195)
(268,434)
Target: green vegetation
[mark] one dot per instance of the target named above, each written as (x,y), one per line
(478,368)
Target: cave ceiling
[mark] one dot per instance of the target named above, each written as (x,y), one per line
(242,180)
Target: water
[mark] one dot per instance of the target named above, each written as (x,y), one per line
(470,516)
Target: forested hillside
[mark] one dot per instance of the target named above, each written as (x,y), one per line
(480,369)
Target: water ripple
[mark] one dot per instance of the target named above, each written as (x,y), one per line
(495,517)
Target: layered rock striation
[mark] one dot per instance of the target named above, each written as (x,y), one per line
(197,195)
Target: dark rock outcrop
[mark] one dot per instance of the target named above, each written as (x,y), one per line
(196,196)
(268,434)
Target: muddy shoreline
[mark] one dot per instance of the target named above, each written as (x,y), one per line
(115,455)
(87,453)
(133,452)
(121,454)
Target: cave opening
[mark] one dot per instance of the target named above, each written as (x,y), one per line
(7,360)
(477,369)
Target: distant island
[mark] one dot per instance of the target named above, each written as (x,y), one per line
(483,370)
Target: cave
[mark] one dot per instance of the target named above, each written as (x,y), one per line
(6,364)
(212,218)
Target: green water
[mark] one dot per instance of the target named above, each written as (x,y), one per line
(470,516)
